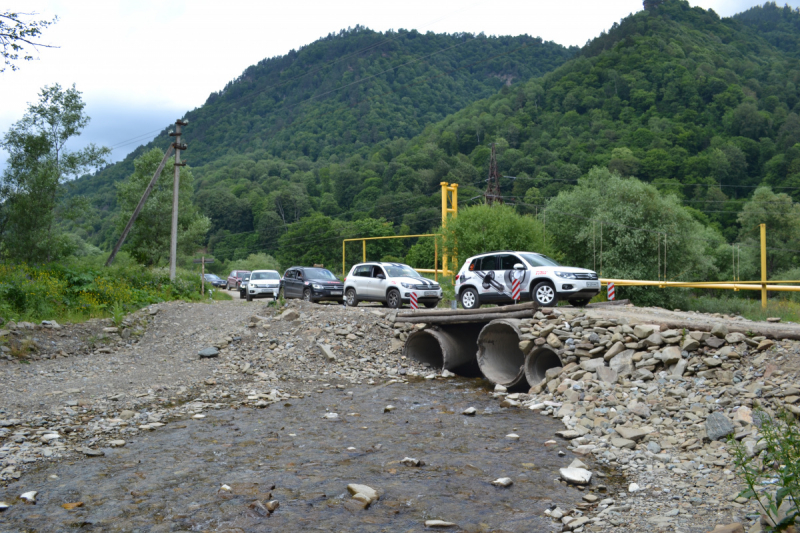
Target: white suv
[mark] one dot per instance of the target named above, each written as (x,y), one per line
(389,283)
(263,284)
(488,278)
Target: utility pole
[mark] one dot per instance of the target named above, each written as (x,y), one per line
(492,193)
(173,243)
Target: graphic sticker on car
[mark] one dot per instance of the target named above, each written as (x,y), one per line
(490,283)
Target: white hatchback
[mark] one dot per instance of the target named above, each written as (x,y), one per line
(489,278)
(389,283)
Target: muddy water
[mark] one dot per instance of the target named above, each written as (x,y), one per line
(170,480)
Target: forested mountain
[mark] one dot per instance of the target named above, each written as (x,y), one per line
(256,141)
(700,106)
(703,107)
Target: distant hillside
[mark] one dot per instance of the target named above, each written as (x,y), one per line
(703,107)
(338,97)
(778,25)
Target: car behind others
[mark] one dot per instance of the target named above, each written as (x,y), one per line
(312,284)
(215,280)
(263,284)
(235,279)
(489,277)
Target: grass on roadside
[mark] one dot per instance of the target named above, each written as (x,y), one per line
(219,295)
(787,310)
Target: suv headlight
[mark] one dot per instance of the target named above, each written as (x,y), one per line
(568,275)
(407,285)
(317,286)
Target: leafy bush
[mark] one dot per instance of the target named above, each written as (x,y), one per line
(82,287)
(776,468)
(483,228)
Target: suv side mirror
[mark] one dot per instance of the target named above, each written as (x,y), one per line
(519,266)
(380,276)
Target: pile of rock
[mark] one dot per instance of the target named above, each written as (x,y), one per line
(657,404)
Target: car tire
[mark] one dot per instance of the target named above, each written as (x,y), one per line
(470,299)
(249,297)
(544,294)
(430,305)
(351,298)
(241,295)
(580,302)
(393,299)
(307,296)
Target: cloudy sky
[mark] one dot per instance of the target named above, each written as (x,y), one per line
(143,63)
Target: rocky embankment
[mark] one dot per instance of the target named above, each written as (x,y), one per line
(657,405)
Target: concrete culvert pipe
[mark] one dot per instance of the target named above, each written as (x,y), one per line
(451,347)
(499,356)
(538,362)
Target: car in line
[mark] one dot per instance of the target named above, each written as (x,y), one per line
(313,284)
(488,279)
(235,279)
(214,280)
(243,286)
(263,284)
(391,284)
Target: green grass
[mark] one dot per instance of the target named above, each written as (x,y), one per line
(218,294)
(787,310)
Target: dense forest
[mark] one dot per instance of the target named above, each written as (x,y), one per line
(351,135)
(258,144)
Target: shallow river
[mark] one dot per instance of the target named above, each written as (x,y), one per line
(171,479)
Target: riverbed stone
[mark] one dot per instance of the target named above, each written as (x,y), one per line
(211,351)
(718,426)
(576,476)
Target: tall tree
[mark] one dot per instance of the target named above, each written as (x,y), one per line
(38,164)
(17,33)
(782,217)
(148,241)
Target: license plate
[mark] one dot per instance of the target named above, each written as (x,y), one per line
(593,284)
(430,293)
(336,293)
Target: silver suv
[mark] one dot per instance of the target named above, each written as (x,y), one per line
(389,283)
(488,278)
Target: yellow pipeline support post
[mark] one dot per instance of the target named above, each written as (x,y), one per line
(343,272)
(764,266)
(449,205)
(364,251)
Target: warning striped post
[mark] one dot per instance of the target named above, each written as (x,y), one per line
(611,292)
(414,305)
(515,290)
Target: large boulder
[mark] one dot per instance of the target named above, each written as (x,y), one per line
(622,362)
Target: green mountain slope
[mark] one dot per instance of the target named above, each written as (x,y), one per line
(778,25)
(703,107)
(341,96)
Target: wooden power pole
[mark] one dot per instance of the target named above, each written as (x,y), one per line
(139,207)
(173,243)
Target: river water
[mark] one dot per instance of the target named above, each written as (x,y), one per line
(171,479)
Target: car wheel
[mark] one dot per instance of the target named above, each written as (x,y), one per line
(430,305)
(545,295)
(393,300)
(580,302)
(241,295)
(249,297)
(307,295)
(469,298)
(351,297)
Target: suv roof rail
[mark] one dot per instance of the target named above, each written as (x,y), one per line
(505,251)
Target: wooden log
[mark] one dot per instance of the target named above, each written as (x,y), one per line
(464,319)
(460,312)
(767,331)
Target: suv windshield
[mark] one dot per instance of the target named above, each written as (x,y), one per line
(265,275)
(400,271)
(538,260)
(319,273)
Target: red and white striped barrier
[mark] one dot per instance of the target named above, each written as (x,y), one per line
(414,305)
(516,291)
(611,292)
